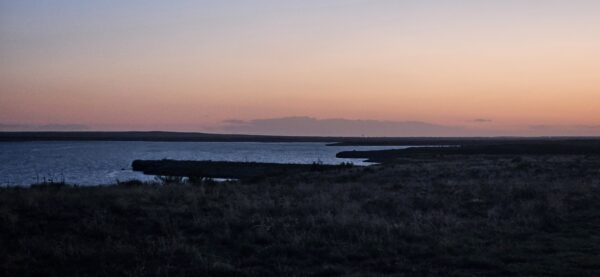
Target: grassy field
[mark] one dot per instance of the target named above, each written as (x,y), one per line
(449,215)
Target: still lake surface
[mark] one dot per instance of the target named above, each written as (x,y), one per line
(105,162)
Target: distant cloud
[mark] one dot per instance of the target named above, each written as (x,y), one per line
(540,127)
(234,121)
(39,128)
(565,130)
(308,126)
(482,120)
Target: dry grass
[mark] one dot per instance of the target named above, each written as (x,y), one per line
(470,216)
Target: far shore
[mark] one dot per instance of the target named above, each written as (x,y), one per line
(331,140)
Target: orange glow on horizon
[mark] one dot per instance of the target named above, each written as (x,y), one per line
(393,62)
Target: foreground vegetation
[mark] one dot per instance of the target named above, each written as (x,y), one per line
(448,215)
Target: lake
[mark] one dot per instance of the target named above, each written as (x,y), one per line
(105,162)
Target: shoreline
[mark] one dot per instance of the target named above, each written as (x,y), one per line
(330,140)
(470,215)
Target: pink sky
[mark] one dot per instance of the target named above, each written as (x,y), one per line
(192,65)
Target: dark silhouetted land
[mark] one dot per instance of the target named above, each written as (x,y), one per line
(227,170)
(334,141)
(150,136)
(486,147)
(439,214)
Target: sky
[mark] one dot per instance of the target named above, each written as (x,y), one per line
(513,67)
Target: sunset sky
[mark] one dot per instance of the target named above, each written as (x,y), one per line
(512,67)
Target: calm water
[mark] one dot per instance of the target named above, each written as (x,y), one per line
(93,163)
